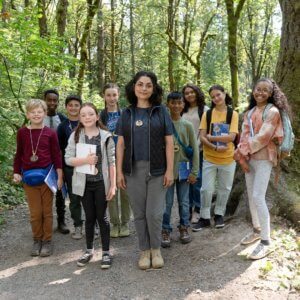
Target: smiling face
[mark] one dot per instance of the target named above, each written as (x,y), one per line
(51,100)
(176,107)
(218,97)
(190,96)
(88,117)
(36,116)
(143,89)
(111,97)
(262,92)
(73,108)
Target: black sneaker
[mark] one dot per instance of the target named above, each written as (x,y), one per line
(106,261)
(84,259)
(62,228)
(219,222)
(202,223)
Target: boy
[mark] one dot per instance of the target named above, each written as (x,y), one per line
(64,130)
(52,120)
(37,149)
(183,134)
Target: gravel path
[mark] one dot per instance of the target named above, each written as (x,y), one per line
(207,268)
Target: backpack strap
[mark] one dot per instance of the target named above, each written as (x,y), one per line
(200,112)
(208,119)
(228,117)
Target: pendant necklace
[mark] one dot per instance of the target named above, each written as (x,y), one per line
(139,123)
(34,157)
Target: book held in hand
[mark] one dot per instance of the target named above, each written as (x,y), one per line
(219,129)
(83,150)
(184,170)
(51,181)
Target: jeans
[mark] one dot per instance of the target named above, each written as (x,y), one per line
(182,190)
(224,175)
(194,191)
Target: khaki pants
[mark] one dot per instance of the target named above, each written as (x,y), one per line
(40,200)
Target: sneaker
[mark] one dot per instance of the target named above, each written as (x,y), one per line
(195,217)
(106,261)
(36,248)
(144,261)
(219,221)
(165,239)
(62,228)
(84,259)
(47,248)
(124,230)
(260,251)
(185,237)
(156,258)
(250,238)
(202,223)
(114,231)
(77,234)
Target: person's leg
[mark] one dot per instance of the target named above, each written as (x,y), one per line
(113,207)
(125,207)
(60,211)
(168,210)
(182,188)
(137,193)
(47,201)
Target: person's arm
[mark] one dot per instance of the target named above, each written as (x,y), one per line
(169,176)
(221,138)
(193,142)
(121,183)
(17,177)
(112,168)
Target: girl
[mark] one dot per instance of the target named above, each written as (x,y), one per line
(193,110)
(97,189)
(257,154)
(145,156)
(37,149)
(119,216)
(218,156)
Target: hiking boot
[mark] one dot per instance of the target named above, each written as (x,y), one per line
(114,231)
(260,251)
(185,237)
(62,228)
(219,221)
(165,239)
(202,223)
(106,261)
(124,230)
(157,260)
(195,217)
(85,258)
(47,248)
(250,238)
(144,261)
(77,234)
(36,248)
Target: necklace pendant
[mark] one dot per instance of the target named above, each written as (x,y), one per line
(139,123)
(34,158)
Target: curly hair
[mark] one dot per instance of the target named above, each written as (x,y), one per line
(228,99)
(277,97)
(155,98)
(200,97)
(80,125)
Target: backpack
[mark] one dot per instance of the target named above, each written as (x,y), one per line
(228,121)
(287,144)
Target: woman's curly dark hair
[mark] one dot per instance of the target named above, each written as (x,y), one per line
(228,99)
(200,97)
(155,98)
(277,97)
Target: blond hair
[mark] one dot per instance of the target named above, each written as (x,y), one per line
(35,103)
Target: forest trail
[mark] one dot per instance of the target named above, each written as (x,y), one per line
(210,267)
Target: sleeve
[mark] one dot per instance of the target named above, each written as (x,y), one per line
(119,127)
(234,126)
(203,124)
(168,123)
(55,151)
(193,143)
(61,136)
(71,149)
(19,154)
(110,148)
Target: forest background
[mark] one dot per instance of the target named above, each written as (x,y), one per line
(78,46)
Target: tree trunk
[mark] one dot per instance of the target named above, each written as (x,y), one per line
(43,18)
(170,29)
(131,37)
(61,16)
(112,43)
(100,50)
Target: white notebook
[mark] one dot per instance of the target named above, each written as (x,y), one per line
(83,150)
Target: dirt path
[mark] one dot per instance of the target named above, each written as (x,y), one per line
(207,268)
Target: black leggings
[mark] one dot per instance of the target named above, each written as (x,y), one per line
(94,204)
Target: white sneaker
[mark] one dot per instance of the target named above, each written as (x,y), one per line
(250,238)
(260,251)
(195,217)
(77,234)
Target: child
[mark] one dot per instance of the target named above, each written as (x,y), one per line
(257,154)
(52,120)
(193,110)
(218,156)
(37,149)
(184,131)
(97,189)
(119,215)
(64,130)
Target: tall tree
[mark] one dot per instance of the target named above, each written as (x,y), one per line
(41,4)
(131,32)
(233,15)
(100,49)
(61,16)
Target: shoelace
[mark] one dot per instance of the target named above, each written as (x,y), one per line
(106,258)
